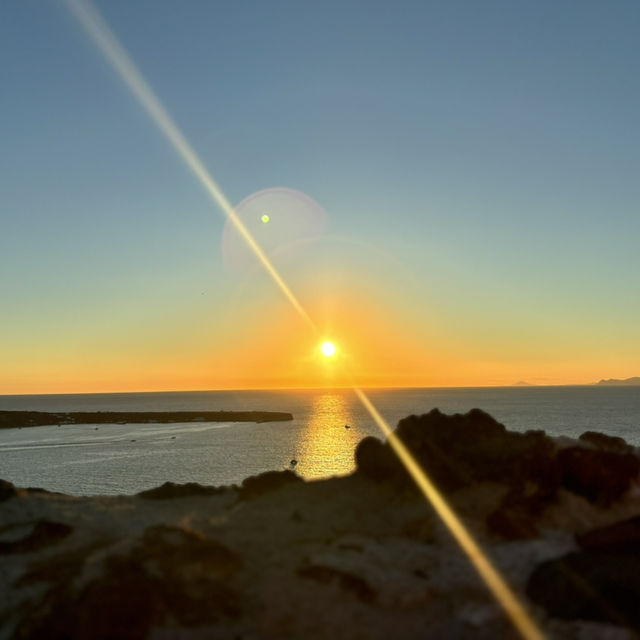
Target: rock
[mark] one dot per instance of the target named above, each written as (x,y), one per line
(172,576)
(171,491)
(347,581)
(266,482)
(35,490)
(605,442)
(516,522)
(599,476)
(519,511)
(589,586)
(373,459)
(7,491)
(620,537)
(458,450)
(601,582)
(32,537)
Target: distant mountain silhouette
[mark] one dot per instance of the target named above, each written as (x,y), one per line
(613,382)
(522,383)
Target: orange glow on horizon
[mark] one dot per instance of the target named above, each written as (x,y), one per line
(224,351)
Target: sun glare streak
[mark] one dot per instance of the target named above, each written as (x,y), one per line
(113,51)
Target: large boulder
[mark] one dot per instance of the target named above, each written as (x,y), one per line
(266,482)
(172,491)
(601,582)
(32,536)
(459,450)
(173,577)
(599,476)
(589,586)
(620,537)
(606,442)
(7,491)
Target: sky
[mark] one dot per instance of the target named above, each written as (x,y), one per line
(461,203)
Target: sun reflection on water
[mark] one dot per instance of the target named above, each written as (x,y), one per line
(328,442)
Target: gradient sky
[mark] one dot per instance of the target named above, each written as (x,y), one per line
(477,163)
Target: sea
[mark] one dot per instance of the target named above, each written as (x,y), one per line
(319,442)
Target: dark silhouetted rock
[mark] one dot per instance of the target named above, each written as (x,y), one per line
(516,521)
(7,491)
(606,443)
(374,459)
(517,515)
(36,535)
(266,482)
(601,582)
(171,491)
(620,537)
(41,490)
(604,587)
(599,476)
(172,576)
(347,581)
(459,450)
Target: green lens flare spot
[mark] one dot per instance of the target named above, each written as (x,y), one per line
(265,218)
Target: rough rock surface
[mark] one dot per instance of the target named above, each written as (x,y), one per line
(600,582)
(171,491)
(605,442)
(460,450)
(359,557)
(599,476)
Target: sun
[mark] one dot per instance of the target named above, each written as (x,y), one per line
(328,349)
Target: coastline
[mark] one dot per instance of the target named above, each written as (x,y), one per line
(21,419)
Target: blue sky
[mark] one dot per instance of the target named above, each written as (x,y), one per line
(491,149)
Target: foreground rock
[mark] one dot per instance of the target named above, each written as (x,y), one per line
(600,582)
(356,557)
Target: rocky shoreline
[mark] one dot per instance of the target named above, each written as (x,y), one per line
(20,419)
(362,556)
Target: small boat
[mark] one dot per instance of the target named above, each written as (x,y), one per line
(346,426)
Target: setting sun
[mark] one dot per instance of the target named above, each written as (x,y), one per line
(328,349)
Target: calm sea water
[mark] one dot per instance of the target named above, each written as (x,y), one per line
(112,459)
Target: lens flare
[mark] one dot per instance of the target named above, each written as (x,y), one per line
(98,30)
(282,220)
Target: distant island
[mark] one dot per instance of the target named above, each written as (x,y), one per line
(522,383)
(19,419)
(613,382)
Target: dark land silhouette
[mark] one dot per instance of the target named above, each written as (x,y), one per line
(627,382)
(19,419)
